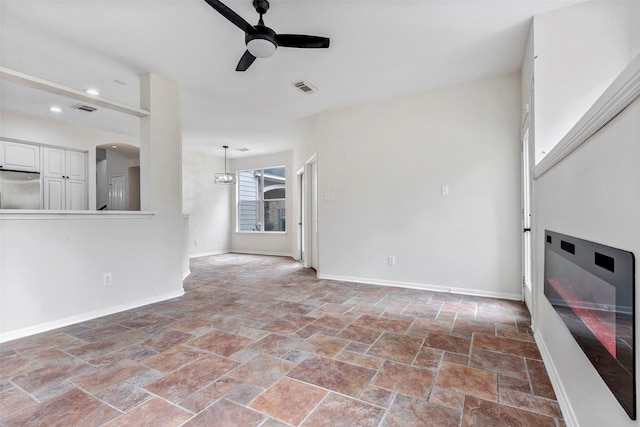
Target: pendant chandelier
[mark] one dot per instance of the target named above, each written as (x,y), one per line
(225,178)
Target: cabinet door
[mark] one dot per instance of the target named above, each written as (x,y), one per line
(76,165)
(18,156)
(54,162)
(76,197)
(54,193)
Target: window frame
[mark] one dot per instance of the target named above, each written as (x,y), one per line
(260,200)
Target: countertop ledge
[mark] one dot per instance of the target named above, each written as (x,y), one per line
(12,214)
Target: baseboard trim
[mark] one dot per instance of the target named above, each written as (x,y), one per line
(568,414)
(201,254)
(48,326)
(286,254)
(423,286)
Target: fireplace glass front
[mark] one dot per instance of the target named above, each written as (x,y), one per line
(591,287)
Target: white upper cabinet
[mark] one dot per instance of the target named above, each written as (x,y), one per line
(76,165)
(53,162)
(19,156)
(64,163)
(65,179)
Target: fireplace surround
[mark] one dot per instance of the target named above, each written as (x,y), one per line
(591,287)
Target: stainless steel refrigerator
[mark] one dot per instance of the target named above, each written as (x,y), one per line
(20,190)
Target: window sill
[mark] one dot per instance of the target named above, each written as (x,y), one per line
(262,232)
(8,214)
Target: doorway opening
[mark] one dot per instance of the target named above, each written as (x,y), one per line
(527,245)
(117,177)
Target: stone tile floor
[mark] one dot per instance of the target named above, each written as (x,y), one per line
(260,341)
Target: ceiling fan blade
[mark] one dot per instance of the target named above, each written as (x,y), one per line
(302,41)
(245,62)
(233,17)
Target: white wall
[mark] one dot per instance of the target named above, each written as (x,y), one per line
(634,16)
(266,243)
(51,266)
(527,75)
(306,131)
(208,205)
(579,51)
(305,149)
(386,162)
(593,194)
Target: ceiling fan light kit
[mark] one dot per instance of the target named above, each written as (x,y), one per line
(261,40)
(261,47)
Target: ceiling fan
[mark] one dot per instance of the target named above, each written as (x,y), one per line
(261,40)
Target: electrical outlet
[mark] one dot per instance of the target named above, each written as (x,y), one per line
(391,260)
(107,280)
(444,190)
(196,242)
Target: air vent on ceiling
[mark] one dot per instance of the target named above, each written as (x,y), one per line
(84,107)
(305,87)
(242,149)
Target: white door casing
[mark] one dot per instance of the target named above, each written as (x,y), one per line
(313,244)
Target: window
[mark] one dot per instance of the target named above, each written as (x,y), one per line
(261,200)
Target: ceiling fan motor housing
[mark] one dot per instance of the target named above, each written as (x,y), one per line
(261,6)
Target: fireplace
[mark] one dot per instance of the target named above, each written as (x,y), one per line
(591,287)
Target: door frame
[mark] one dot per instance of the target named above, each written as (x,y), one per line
(308,210)
(300,241)
(527,159)
(313,212)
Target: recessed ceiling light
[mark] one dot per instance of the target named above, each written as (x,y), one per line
(242,149)
(91,91)
(114,146)
(55,109)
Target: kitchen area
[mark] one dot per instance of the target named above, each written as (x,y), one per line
(40,177)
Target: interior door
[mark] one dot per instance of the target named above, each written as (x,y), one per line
(302,251)
(116,193)
(527,252)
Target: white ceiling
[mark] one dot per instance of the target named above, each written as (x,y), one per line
(378,49)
